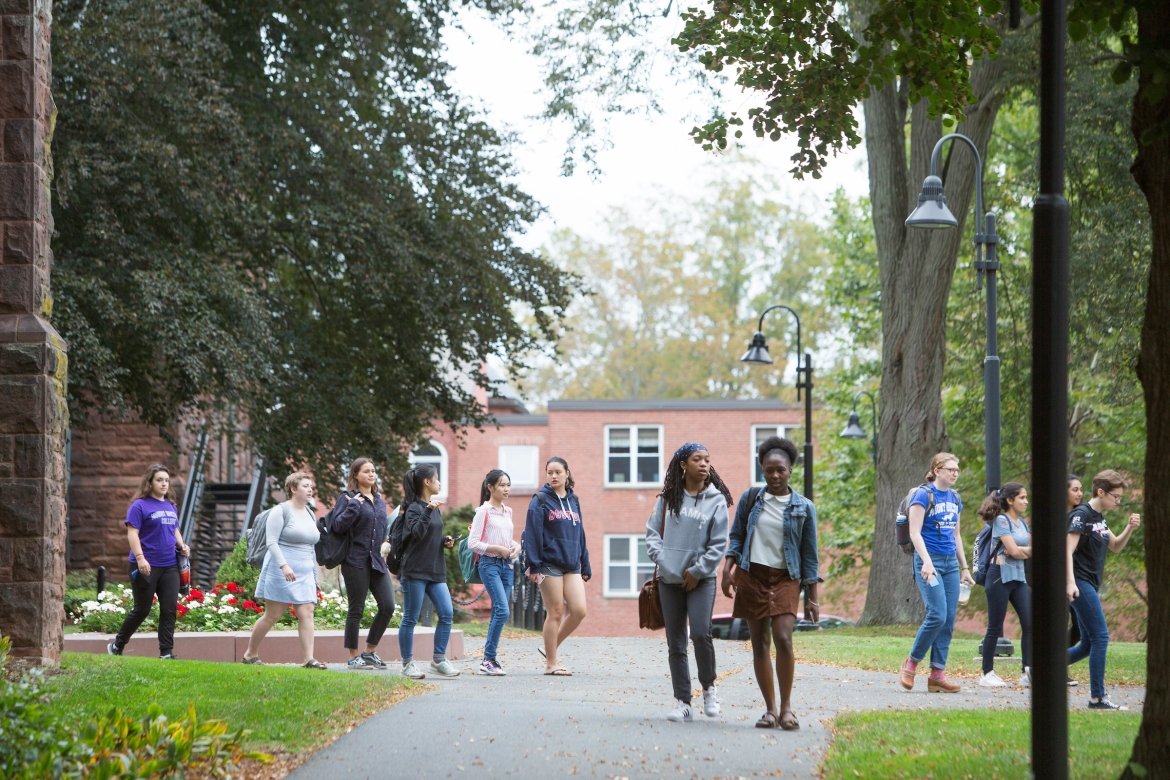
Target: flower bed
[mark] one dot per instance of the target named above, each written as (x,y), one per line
(226,607)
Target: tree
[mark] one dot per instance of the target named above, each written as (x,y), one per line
(288,209)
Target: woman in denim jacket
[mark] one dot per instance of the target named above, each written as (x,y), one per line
(772,553)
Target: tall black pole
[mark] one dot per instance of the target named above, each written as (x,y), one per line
(991,410)
(808,448)
(1050,296)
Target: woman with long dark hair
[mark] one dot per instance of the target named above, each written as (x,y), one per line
(1007,579)
(363,516)
(424,570)
(558,558)
(939,566)
(152,530)
(491,539)
(686,536)
(1076,495)
(772,553)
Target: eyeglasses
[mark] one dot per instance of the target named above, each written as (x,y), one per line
(952,469)
(1116,496)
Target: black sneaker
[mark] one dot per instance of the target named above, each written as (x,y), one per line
(167,657)
(373,660)
(1104,704)
(113,649)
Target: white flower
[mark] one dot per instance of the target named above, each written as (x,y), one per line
(226,609)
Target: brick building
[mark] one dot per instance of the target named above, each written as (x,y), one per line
(617,451)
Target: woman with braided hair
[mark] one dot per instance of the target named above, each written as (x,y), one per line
(686,537)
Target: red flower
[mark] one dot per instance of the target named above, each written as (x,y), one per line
(195,595)
(234,588)
(249,604)
(182,609)
(233,600)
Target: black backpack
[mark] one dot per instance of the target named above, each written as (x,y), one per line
(982,553)
(333,547)
(902,521)
(397,539)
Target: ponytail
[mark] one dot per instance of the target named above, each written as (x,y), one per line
(412,482)
(490,481)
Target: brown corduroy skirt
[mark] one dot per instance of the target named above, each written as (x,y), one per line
(762,592)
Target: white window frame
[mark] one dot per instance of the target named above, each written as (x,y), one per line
(441,460)
(635,540)
(753,464)
(633,429)
(515,475)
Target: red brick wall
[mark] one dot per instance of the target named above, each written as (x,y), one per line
(108,460)
(578,435)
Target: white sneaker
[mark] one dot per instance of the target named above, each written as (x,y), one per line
(444,668)
(410,669)
(710,702)
(991,680)
(681,713)
(1026,678)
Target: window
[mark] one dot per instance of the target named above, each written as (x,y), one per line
(761,432)
(633,455)
(433,454)
(627,565)
(522,462)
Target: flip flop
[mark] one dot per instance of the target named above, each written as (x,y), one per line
(253,661)
(788,721)
(541,651)
(314,664)
(560,671)
(766,721)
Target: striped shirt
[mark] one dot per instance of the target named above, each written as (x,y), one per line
(499,528)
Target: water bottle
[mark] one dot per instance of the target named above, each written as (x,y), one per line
(184,575)
(964,593)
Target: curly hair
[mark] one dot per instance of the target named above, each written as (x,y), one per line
(997,501)
(773,443)
(672,484)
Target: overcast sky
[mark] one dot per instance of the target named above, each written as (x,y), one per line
(653,159)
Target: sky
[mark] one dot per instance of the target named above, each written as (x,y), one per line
(653,160)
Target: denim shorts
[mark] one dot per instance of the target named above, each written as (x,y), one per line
(558,571)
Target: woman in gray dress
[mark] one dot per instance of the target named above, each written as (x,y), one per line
(289,574)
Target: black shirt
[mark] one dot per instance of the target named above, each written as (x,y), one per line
(1089,557)
(423,534)
(366,524)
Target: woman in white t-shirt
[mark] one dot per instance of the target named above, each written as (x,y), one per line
(1007,579)
(491,539)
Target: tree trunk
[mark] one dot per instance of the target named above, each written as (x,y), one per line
(916,270)
(1151,169)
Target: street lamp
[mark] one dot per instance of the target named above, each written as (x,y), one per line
(853,429)
(757,354)
(932,213)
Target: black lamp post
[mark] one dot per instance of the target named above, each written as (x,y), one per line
(758,354)
(932,212)
(853,429)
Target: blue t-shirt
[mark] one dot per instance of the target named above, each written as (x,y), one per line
(156,522)
(938,527)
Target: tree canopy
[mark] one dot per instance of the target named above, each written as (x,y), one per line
(288,209)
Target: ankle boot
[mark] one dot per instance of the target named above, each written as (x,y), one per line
(938,683)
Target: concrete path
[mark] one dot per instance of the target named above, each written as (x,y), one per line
(608,719)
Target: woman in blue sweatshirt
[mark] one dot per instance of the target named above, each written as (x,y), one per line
(558,560)
(686,537)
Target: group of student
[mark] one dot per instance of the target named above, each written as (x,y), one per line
(763,558)
(940,567)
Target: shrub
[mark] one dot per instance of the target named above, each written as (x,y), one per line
(235,568)
(36,743)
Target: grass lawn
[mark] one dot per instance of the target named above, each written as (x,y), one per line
(287,709)
(479,631)
(884,649)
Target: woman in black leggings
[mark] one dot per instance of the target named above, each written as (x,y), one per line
(364,570)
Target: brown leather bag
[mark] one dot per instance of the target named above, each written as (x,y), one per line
(649,606)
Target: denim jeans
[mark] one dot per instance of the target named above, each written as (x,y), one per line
(679,608)
(412,603)
(999,593)
(360,581)
(941,601)
(163,582)
(497,576)
(1094,636)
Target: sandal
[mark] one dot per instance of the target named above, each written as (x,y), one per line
(560,671)
(766,721)
(253,661)
(788,721)
(314,664)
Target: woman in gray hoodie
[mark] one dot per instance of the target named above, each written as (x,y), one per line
(686,537)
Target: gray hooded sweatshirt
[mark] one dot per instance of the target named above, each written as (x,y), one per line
(694,538)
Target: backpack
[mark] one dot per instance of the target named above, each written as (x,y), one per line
(332,548)
(397,539)
(469,559)
(257,546)
(982,553)
(902,521)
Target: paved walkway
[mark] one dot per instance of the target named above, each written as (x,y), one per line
(608,719)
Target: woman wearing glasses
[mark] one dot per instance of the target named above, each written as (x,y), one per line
(939,566)
(1089,538)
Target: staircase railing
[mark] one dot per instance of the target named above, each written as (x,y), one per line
(193,495)
(256,494)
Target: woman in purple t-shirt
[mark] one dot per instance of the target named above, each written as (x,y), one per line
(152,529)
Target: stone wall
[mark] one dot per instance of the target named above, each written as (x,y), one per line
(33,412)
